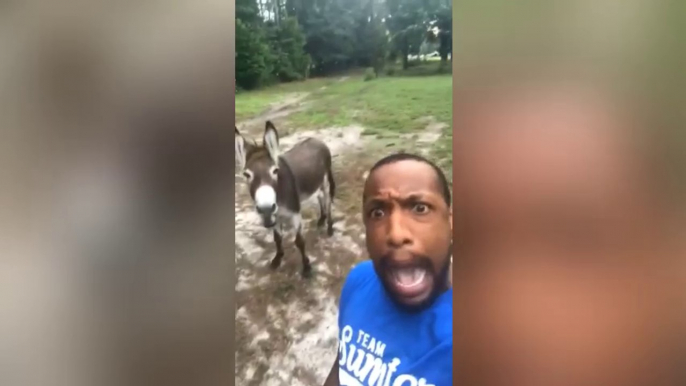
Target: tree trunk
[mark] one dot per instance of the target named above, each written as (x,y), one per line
(444,47)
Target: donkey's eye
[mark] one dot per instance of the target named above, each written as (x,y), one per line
(247,175)
(274,171)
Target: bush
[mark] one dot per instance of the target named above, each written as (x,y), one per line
(287,42)
(254,61)
(369,74)
(390,71)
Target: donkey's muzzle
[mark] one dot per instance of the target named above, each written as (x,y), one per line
(266,210)
(268,215)
(269,220)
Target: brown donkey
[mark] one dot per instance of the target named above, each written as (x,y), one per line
(280,183)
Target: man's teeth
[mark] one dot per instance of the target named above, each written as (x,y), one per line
(408,277)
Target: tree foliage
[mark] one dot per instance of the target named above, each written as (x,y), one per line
(287,40)
(254,59)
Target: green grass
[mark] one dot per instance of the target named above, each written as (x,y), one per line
(385,106)
(442,154)
(251,103)
(428,67)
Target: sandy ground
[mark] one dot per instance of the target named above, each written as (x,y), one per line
(286,326)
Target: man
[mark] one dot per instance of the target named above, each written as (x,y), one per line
(395,313)
(568,261)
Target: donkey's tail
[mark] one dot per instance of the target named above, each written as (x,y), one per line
(332,183)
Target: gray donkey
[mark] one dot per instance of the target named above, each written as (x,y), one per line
(280,183)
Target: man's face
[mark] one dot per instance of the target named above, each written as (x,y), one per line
(560,258)
(409,231)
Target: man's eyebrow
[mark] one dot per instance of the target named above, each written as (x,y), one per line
(414,196)
(373,201)
(419,194)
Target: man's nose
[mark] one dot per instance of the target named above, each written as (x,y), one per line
(399,234)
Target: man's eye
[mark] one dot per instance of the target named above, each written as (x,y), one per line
(420,208)
(376,213)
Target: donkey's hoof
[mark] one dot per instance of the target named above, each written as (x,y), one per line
(329,231)
(275,263)
(307,272)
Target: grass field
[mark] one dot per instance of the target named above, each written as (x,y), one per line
(386,107)
(251,103)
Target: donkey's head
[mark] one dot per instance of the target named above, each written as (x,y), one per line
(260,167)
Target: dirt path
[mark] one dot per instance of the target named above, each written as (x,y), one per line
(288,105)
(286,326)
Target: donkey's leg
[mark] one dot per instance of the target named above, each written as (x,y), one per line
(325,200)
(278,240)
(329,217)
(330,194)
(321,197)
(300,243)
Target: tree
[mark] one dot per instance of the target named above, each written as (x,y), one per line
(443,20)
(248,12)
(330,29)
(287,42)
(372,41)
(407,21)
(253,56)
(268,47)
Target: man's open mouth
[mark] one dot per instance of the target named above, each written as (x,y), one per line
(408,277)
(410,282)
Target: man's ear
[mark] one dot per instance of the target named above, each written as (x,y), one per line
(450,217)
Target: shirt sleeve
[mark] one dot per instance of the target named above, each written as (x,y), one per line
(358,275)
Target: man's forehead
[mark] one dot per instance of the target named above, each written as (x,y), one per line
(401,178)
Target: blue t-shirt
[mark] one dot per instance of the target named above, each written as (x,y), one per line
(382,345)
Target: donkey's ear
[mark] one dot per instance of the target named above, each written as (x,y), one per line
(240,150)
(271,141)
